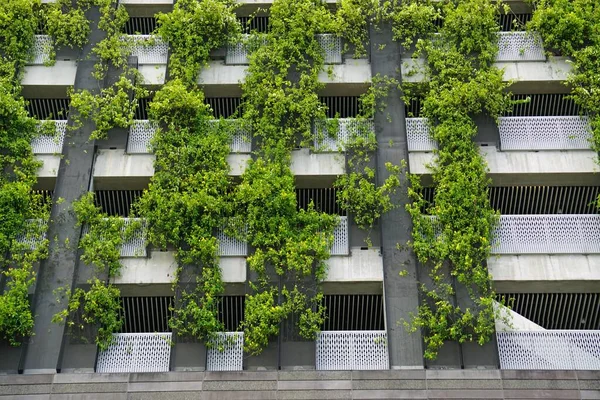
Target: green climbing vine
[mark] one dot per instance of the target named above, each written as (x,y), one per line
(571,28)
(189,196)
(455,245)
(18,22)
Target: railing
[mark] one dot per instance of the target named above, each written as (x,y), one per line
(237,54)
(42,47)
(340,245)
(520,46)
(347,130)
(141,133)
(134,246)
(518,133)
(544,133)
(226,353)
(556,350)
(34,233)
(50,144)
(352,350)
(136,352)
(547,234)
(230,246)
(417,135)
(149,49)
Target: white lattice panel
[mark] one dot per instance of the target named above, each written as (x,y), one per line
(340,238)
(141,133)
(544,133)
(417,135)
(146,53)
(520,46)
(547,234)
(558,350)
(229,246)
(241,140)
(42,46)
(136,352)
(352,350)
(45,144)
(332,46)
(136,246)
(30,237)
(348,129)
(232,356)
(237,54)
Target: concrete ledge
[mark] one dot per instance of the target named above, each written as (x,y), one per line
(541,272)
(359,266)
(153,74)
(305,163)
(60,74)
(50,167)
(160,268)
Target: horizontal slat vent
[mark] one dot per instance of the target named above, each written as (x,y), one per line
(224,107)
(324,200)
(140,25)
(543,105)
(117,202)
(557,310)
(254,24)
(527,200)
(354,312)
(57,109)
(341,106)
(146,314)
(231,312)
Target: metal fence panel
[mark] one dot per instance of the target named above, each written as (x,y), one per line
(417,135)
(232,356)
(155,53)
(520,46)
(45,144)
(544,133)
(136,352)
(352,350)
(348,128)
(42,46)
(230,246)
(340,245)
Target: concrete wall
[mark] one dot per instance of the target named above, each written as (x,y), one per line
(423,384)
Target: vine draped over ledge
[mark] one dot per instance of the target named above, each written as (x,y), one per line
(18,22)
(455,245)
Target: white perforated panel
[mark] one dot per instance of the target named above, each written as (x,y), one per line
(227,353)
(241,141)
(50,144)
(544,133)
(352,350)
(417,135)
(156,53)
(229,246)
(136,352)
(520,46)
(340,238)
(547,234)
(237,53)
(348,128)
(332,45)
(558,350)
(42,46)
(136,246)
(141,133)
(30,237)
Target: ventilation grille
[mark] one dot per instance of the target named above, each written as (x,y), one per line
(224,107)
(557,310)
(353,312)
(324,200)
(341,106)
(254,24)
(140,25)
(543,105)
(513,22)
(529,200)
(227,353)
(352,351)
(136,352)
(146,314)
(57,109)
(116,202)
(141,111)
(231,312)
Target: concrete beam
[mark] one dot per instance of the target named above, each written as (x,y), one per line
(359,266)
